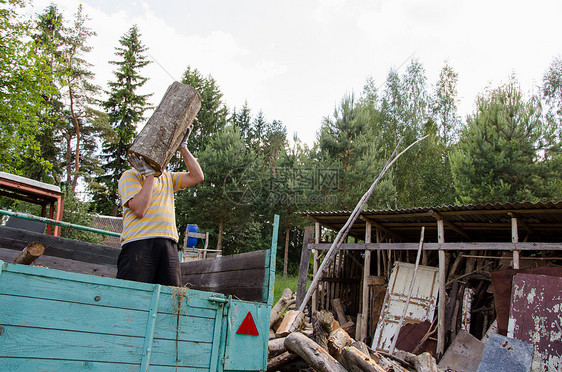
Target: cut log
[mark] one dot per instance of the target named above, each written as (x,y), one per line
(423,362)
(274,364)
(338,307)
(276,347)
(312,353)
(30,253)
(338,340)
(355,360)
(323,324)
(292,321)
(159,139)
(287,298)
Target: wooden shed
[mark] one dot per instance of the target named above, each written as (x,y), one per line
(465,243)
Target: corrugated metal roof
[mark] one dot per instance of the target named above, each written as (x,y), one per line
(540,221)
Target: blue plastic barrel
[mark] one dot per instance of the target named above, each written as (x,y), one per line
(191,242)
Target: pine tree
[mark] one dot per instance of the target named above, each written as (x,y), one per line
(125,109)
(499,155)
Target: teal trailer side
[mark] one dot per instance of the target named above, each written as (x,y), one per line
(53,320)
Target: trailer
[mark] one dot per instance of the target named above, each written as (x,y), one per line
(55,320)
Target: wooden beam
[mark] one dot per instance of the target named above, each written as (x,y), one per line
(515,239)
(442,292)
(317,233)
(365,290)
(462,246)
(304,264)
(529,229)
(449,223)
(380,227)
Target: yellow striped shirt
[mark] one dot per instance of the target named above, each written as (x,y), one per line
(160,218)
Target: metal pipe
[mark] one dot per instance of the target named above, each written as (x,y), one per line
(27,216)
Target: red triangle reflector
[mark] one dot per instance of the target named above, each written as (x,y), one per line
(248,327)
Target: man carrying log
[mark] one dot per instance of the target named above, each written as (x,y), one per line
(149,239)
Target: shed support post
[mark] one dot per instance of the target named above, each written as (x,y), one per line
(315,265)
(365,298)
(515,239)
(442,291)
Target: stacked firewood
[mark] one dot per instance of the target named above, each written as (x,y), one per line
(319,343)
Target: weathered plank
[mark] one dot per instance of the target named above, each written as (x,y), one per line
(242,276)
(243,261)
(65,264)
(17,239)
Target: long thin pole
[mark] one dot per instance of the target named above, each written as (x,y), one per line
(27,216)
(342,234)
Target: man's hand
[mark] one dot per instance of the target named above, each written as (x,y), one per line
(141,165)
(184,141)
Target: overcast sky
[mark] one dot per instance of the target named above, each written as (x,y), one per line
(295,60)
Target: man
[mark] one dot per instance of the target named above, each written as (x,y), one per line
(149,239)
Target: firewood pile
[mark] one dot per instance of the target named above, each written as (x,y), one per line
(319,342)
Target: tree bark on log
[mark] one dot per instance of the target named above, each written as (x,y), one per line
(323,324)
(355,360)
(274,363)
(276,347)
(158,141)
(312,353)
(287,298)
(30,253)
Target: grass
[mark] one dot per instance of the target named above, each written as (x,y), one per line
(281,284)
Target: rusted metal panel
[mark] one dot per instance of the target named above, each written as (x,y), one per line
(536,317)
(464,353)
(422,302)
(501,284)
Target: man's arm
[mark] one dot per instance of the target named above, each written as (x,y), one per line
(194,173)
(139,203)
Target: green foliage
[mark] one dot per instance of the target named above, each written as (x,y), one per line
(212,116)
(125,109)
(22,84)
(76,212)
(500,152)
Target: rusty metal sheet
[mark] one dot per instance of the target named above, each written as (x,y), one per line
(464,353)
(501,284)
(422,302)
(536,317)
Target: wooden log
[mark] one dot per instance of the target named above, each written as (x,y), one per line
(338,307)
(356,361)
(339,340)
(275,363)
(287,298)
(159,139)
(312,353)
(323,324)
(423,362)
(292,321)
(276,347)
(30,253)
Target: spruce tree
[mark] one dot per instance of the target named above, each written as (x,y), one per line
(125,109)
